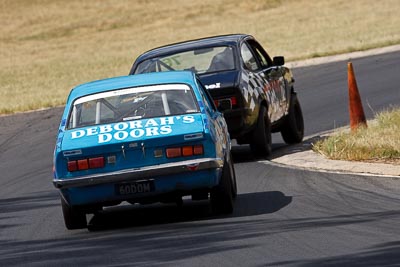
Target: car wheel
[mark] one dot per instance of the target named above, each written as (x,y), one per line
(293,128)
(261,144)
(73,218)
(222,196)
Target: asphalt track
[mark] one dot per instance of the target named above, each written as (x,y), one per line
(282,217)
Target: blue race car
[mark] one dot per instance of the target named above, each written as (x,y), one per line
(254,91)
(145,138)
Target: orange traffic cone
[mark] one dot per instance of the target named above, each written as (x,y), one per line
(356,110)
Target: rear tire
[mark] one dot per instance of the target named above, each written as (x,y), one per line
(261,143)
(73,218)
(222,196)
(292,130)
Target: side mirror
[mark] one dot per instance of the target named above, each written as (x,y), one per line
(279,61)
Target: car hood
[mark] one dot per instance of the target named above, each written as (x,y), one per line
(226,79)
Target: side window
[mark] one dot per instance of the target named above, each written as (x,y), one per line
(261,58)
(248,58)
(260,54)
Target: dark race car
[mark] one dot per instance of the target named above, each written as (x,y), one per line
(254,92)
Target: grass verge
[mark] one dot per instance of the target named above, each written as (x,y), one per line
(379,142)
(49,46)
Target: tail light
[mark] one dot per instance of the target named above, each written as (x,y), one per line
(174,152)
(184,151)
(198,150)
(72,166)
(95,163)
(85,164)
(187,151)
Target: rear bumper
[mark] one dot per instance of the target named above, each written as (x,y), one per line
(140,173)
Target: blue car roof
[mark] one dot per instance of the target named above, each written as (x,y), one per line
(220,40)
(132,81)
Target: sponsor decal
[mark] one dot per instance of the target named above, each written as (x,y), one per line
(213,86)
(133,129)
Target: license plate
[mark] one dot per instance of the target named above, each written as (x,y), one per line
(138,187)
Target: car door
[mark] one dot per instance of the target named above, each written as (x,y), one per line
(271,76)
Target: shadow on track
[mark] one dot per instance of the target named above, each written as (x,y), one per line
(30,202)
(386,254)
(125,216)
(242,153)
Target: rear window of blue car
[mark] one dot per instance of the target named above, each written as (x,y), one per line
(132,104)
(199,60)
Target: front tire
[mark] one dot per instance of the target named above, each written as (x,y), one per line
(261,143)
(222,196)
(73,218)
(292,130)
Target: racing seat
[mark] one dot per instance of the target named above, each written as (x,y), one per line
(222,61)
